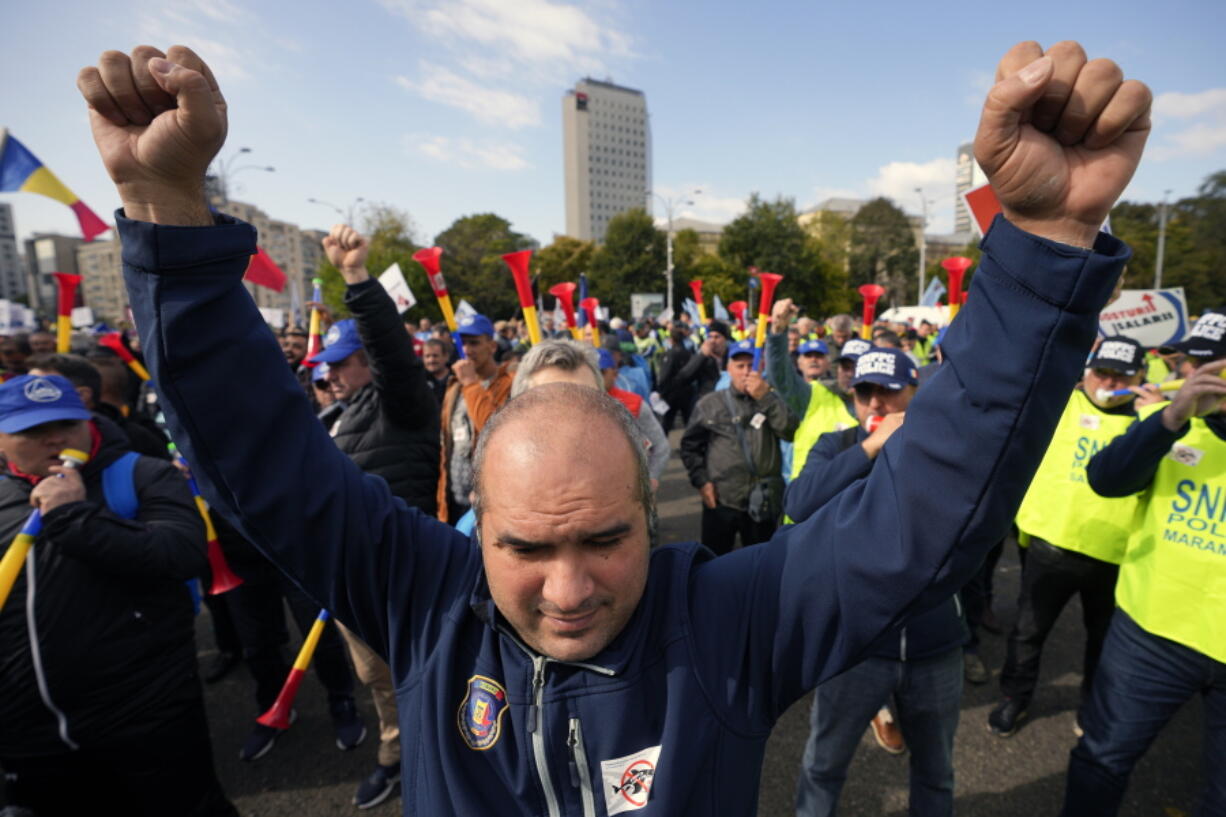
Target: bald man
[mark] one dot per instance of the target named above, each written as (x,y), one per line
(554,664)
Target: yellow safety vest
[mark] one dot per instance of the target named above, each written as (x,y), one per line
(1173,577)
(1060,506)
(1156,369)
(826,412)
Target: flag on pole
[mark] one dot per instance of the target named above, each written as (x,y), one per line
(581,314)
(21,171)
(262,270)
(717,309)
(933,292)
(398,288)
(464,311)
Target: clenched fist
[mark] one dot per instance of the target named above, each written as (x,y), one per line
(1060,138)
(158,120)
(347,250)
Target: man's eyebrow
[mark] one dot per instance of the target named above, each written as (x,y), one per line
(618,529)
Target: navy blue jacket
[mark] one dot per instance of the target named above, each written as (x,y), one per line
(686,695)
(836,461)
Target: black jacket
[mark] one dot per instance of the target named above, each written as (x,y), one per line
(112,612)
(836,461)
(712,452)
(391,427)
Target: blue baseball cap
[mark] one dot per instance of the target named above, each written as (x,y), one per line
(341,341)
(606,359)
(885,367)
(853,348)
(32,400)
(475,325)
(319,373)
(811,346)
(741,347)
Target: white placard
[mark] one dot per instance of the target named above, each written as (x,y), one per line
(82,317)
(1151,317)
(272,316)
(393,281)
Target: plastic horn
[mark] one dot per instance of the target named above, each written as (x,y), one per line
(956,267)
(224,579)
(696,288)
(590,306)
(873,423)
(871,293)
(1165,386)
(279,714)
(15,557)
(67,284)
(518,263)
(738,308)
(114,342)
(769,281)
(565,293)
(315,339)
(428,257)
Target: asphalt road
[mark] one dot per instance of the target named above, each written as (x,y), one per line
(306,776)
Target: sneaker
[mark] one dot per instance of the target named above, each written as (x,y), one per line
(262,739)
(887,733)
(350,731)
(974,669)
(378,787)
(1007,717)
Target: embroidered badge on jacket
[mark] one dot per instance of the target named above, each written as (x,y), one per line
(480,715)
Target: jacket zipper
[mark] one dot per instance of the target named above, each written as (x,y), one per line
(36,655)
(536,727)
(580,775)
(902,646)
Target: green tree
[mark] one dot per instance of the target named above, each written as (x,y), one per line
(769,237)
(631,259)
(392,237)
(562,260)
(883,251)
(472,263)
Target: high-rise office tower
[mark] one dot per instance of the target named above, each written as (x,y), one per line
(967,176)
(606,138)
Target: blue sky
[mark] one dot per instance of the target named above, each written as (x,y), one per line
(450,107)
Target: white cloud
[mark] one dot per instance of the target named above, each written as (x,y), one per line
(703,205)
(487,104)
(529,31)
(1176,105)
(218,30)
(469,154)
(1202,124)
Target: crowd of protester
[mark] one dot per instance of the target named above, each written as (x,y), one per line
(844,548)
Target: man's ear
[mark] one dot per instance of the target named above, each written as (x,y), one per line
(87,396)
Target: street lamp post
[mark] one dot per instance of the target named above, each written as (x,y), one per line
(225,171)
(1161,241)
(348,216)
(669,204)
(923,242)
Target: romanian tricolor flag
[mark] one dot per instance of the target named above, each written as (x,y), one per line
(21,171)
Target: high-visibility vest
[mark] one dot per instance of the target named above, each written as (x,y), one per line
(826,412)
(1156,369)
(1173,578)
(1060,506)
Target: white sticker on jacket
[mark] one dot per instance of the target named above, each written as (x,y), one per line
(628,780)
(1186,454)
(1090,421)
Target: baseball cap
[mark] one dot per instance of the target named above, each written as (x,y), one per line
(852,349)
(475,325)
(811,346)
(741,347)
(606,359)
(341,341)
(1206,341)
(32,400)
(1118,353)
(319,373)
(885,367)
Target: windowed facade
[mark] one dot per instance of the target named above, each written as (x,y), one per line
(607,155)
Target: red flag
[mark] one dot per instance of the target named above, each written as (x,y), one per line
(262,270)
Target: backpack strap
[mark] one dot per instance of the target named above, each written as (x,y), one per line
(119,486)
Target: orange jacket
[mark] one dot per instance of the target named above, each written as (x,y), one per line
(481,403)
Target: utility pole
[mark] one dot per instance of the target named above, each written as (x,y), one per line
(669,204)
(1161,240)
(923,242)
